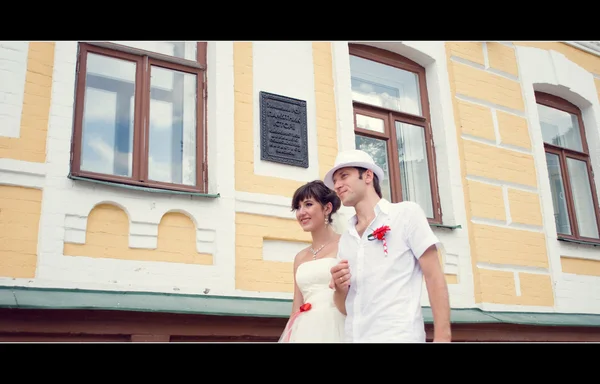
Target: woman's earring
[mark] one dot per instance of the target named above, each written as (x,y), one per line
(326,221)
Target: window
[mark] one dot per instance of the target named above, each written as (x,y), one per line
(392,124)
(139,115)
(569,168)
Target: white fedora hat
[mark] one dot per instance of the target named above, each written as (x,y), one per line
(352,158)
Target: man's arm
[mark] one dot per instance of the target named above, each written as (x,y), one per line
(423,243)
(339,298)
(437,289)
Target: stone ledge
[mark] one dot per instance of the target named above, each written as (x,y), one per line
(56,298)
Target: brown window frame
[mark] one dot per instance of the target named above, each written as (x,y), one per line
(563,153)
(144,60)
(389,116)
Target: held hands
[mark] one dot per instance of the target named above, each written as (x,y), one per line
(340,276)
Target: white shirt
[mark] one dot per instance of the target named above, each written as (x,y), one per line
(384,299)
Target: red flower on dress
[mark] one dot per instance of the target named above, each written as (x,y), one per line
(305,307)
(379,234)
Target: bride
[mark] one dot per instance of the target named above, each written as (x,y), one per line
(315,318)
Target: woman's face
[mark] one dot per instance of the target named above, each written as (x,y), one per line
(310,215)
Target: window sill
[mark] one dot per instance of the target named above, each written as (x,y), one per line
(583,242)
(450,227)
(144,189)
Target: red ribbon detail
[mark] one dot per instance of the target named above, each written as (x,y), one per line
(287,332)
(379,233)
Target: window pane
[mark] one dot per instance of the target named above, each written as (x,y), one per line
(561,215)
(385,86)
(370,123)
(582,198)
(107,138)
(172,148)
(378,151)
(414,166)
(181,49)
(560,128)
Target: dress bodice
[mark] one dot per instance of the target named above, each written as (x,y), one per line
(313,278)
(321,322)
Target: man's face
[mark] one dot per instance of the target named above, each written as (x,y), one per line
(348,186)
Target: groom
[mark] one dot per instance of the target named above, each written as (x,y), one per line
(378,281)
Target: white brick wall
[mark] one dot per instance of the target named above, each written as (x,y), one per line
(13,67)
(285,68)
(67,203)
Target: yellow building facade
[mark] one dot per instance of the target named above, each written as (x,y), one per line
(133,175)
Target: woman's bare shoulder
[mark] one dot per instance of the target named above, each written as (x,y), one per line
(301,257)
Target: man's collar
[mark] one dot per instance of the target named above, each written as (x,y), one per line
(382,206)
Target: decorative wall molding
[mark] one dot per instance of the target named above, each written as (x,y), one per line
(22,173)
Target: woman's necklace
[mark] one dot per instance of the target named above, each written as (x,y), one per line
(318,250)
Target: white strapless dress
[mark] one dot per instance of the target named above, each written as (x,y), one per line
(319,320)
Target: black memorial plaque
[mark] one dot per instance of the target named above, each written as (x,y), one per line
(283,132)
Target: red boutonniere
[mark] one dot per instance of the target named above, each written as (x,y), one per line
(379,234)
(305,307)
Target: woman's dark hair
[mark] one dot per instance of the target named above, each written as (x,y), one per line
(318,191)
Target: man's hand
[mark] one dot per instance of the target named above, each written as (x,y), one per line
(340,281)
(340,277)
